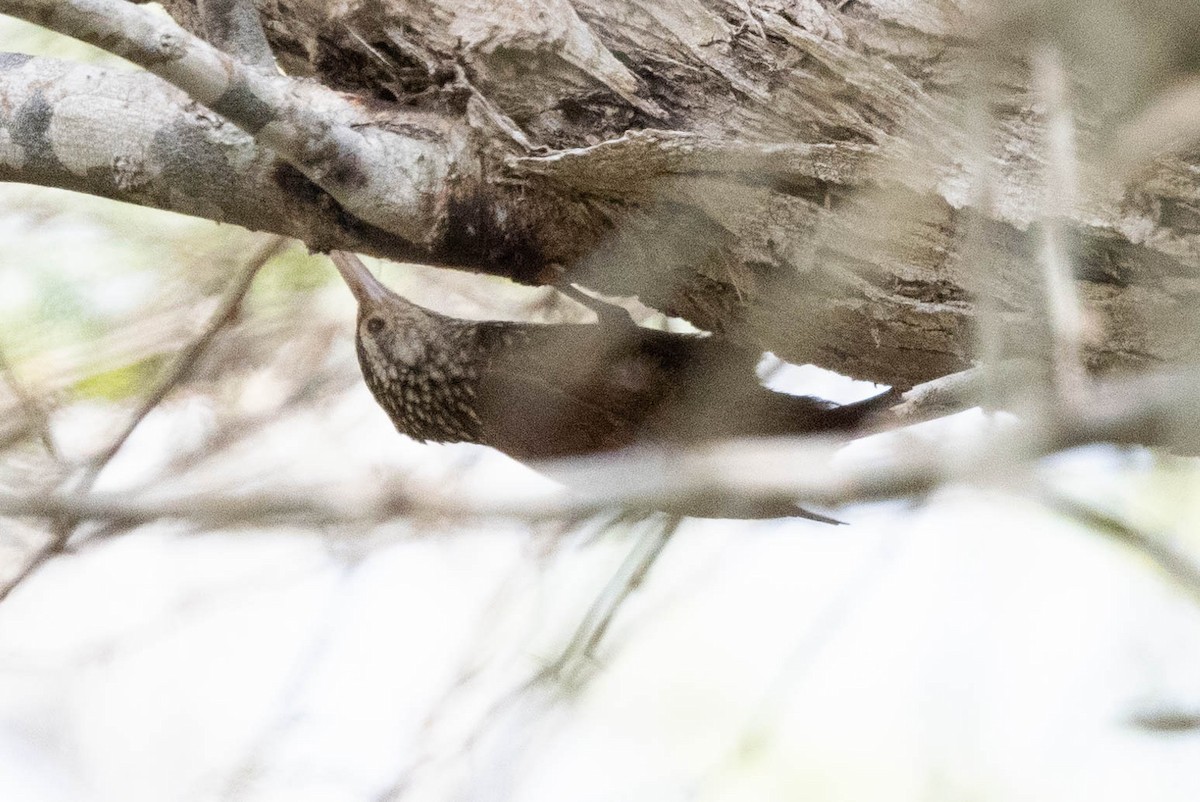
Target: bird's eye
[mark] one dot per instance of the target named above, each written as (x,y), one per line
(375,325)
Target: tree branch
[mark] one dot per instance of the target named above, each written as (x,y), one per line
(389,176)
(845,249)
(234,27)
(133,138)
(66,523)
(1158,410)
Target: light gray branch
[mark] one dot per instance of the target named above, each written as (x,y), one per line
(234,26)
(131,137)
(389,179)
(632,573)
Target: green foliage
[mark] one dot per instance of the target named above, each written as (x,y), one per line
(120,383)
(293,272)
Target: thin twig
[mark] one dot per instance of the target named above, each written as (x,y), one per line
(628,578)
(545,688)
(430,753)
(1176,564)
(65,521)
(1062,299)
(225,313)
(34,411)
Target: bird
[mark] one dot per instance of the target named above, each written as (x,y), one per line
(539,391)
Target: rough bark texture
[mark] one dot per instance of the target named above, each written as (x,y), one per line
(801,175)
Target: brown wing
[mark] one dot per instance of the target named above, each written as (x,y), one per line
(561,390)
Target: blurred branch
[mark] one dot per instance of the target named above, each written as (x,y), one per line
(538,693)
(1171,121)
(65,522)
(1166,721)
(185,362)
(34,412)
(1062,299)
(628,578)
(1179,566)
(1153,410)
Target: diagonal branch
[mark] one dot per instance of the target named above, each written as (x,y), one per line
(130,137)
(31,406)
(183,365)
(599,617)
(388,175)
(1180,567)
(65,522)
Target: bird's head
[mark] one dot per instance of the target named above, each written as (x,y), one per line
(389,327)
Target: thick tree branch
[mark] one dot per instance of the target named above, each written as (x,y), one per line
(133,138)
(390,176)
(861,247)
(234,27)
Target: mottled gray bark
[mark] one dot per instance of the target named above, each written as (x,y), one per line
(130,137)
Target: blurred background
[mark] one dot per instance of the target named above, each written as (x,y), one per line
(972,644)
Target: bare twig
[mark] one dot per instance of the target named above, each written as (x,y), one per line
(1179,566)
(315,388)
(226,312)
(549,686)
(628,578)
(1062,298)
(33,409)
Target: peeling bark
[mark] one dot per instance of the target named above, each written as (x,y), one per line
(805,176)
